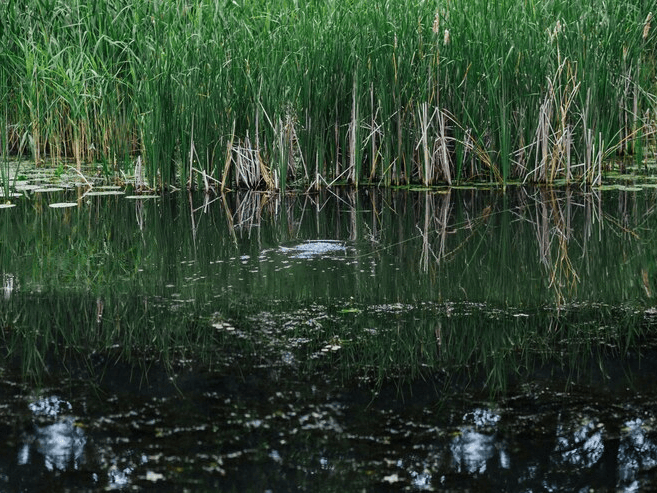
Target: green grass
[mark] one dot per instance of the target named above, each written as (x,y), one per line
(321,92)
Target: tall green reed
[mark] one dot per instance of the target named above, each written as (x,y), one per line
(359,92)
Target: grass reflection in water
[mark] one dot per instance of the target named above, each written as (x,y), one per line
(366,285)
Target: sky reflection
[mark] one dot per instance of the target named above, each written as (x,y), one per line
(476,443)
(61,444)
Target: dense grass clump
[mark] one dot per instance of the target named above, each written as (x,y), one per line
(261,94)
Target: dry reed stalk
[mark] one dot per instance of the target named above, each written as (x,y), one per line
(336,133)
(561,153)
(372,134)
(646,282)
(139,180)
(375,133)
(635,113)
(468,147)
(543,133)
(229,153)
(317,175)
(444,156)
(553,139)
(89,145)
(353,215)
(520,154)
(194,224)
(599,156)
(77,151)
(279,136)
(623,110)
(352,175)
(191,156)
(247,163)
(426,168)
(569,143)
(474,148)
(395,172)
(205,177)
(588,155)
(84,179)
(271,183)
(36,143)
(289,142)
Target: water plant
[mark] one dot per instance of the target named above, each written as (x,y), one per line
(261,94)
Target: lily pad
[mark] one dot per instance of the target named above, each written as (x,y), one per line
(105,192)
(63,205)
(139,197)
(48,189)
(27,186)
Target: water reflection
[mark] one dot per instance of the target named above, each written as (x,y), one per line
(8,285)
(476,443)
(580,443)
(314,249)
(61,443)
(284,319)
(637,451)
(278,436)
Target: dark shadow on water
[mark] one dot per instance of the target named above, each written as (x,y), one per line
(203,429)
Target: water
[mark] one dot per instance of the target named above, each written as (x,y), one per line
(355,341)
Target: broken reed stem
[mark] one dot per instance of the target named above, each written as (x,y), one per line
(588,156)
(601,143)
(424,142)
(569,136)
(352,175)
(229,159)
(372,134)
(443,146)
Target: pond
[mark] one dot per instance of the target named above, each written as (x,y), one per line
(443,340)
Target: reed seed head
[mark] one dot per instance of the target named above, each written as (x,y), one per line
(553,33)
(446,37)
(646,26)
(436,23)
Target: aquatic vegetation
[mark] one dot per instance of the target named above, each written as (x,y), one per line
(275,94)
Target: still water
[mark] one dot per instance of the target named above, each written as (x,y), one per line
(356,341)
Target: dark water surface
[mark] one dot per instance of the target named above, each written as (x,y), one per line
(468,340)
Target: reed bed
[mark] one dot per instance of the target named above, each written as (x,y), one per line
(257,94)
